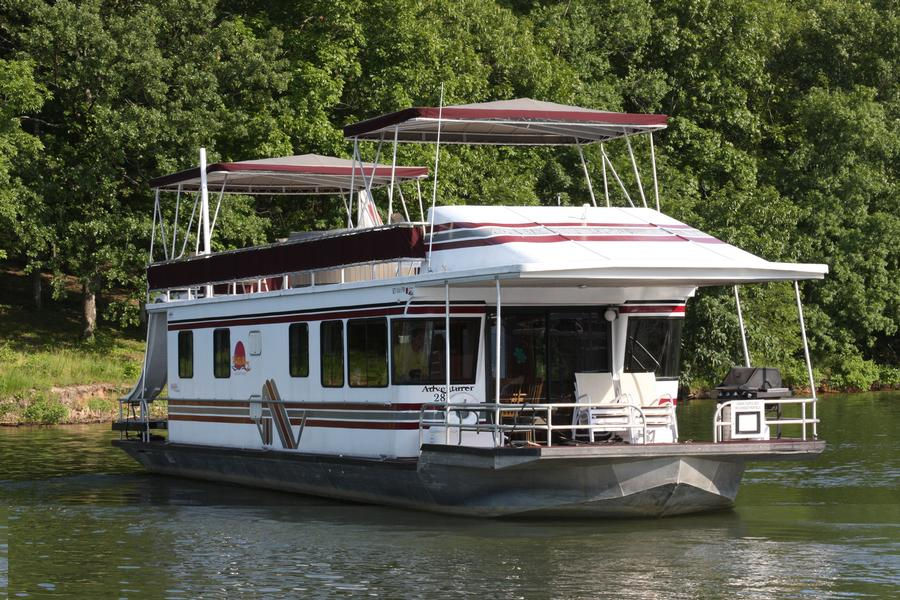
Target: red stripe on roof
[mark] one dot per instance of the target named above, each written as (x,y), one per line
(469,225)
(547,239)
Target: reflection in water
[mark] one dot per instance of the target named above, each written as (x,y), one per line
(83,520)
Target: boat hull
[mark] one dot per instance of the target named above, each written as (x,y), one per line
(587,481)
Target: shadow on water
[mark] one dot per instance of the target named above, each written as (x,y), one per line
(79,518)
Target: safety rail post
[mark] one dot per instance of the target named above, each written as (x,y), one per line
(499,440)
(812,383)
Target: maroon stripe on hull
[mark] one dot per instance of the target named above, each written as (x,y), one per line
(325,316)
(305,405)
(327,424)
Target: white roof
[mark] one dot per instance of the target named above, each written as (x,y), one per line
(591,246)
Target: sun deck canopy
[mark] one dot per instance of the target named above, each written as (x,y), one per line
(522,121)
(307,174)
(585,247)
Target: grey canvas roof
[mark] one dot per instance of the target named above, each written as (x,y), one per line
(522,121)
(299,175)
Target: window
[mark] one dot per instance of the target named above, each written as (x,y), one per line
(222,353)
(298,349)
(543,349)
(653,346)
(578,343)
(185,354)
(418,349)
(367,352)
(332,340)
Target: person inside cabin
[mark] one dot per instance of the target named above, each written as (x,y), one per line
(410,354)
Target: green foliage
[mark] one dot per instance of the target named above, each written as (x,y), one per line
(44,411)
(853,373)
(784,135)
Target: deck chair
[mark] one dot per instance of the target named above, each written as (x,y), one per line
(612,415)
(639,389)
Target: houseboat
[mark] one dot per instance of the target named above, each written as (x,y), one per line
(476,360)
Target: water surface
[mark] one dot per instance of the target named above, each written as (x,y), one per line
(78,518)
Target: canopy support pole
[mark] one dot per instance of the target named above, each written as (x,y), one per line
(587,175)
(212,227)
(204,211)
(393,171)
(447,361)
(637,174)
(737,301)
(162,231)
(437,156)
(352,182)
(175,222)
(347,206)
(153,228)
(499,438)
(655,181)
(421,205)
(616,175)
(204,202)
(367,181)
(605,181)
(809,371)
(190,227)
(403,203)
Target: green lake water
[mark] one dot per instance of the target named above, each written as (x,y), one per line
(79,519)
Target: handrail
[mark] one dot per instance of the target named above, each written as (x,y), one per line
(638,420)
(719,424)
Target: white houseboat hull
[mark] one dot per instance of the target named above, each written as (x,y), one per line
(567,481)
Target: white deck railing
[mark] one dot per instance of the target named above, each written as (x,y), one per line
(618,417)
(720,423)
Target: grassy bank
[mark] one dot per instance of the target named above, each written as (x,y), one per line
(47,373)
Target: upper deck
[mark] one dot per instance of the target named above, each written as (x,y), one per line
(473,245)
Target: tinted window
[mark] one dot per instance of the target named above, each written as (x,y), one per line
(367,352)
(543,349)
(653,346)
(298,349)
(222,353)
(332,341)
(578,343)
(185,354)
(418,348)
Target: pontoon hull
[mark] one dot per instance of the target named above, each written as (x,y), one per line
(591,481)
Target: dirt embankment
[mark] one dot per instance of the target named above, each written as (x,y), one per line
(74,404)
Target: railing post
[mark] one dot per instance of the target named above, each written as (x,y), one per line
(549,426)
(447,360)
(812,383)
(737,301)
(497,369)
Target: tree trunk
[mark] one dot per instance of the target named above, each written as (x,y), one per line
(36,296)
(89,304)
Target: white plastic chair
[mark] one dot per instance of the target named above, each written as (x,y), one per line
(659,411)
(612,415)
